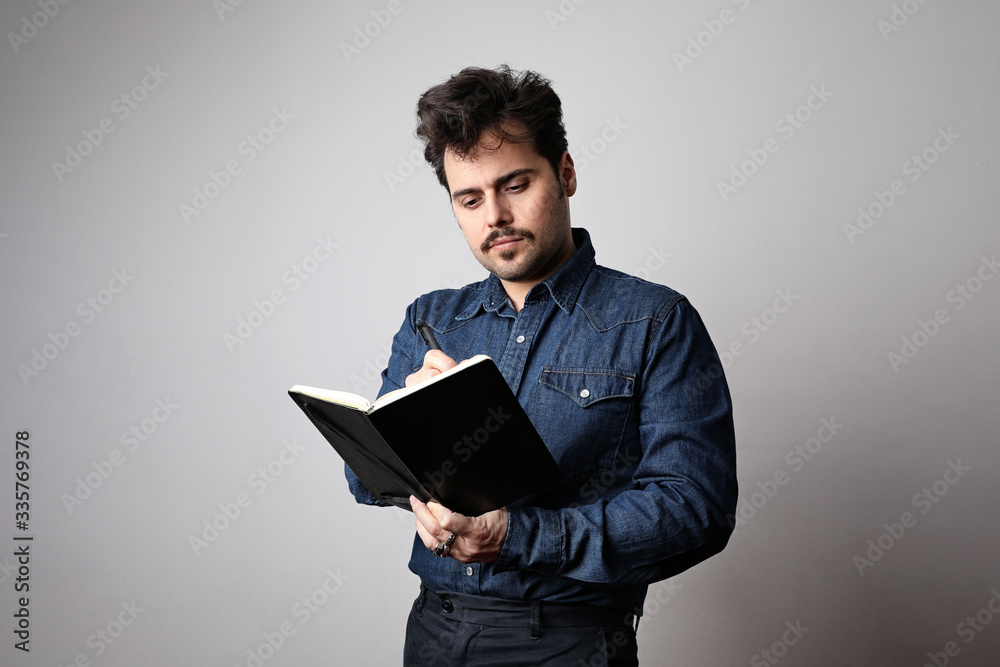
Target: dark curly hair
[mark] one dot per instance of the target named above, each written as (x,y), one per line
(455,114)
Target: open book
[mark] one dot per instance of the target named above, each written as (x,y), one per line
(460,438)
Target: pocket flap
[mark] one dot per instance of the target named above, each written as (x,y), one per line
(587,386)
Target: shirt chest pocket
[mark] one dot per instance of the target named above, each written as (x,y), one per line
(581,415)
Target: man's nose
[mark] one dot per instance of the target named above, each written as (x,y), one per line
(498,212)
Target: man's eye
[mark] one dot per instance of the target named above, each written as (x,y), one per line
(517,187)
(470,203)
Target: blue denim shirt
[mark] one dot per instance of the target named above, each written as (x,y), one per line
(621,380)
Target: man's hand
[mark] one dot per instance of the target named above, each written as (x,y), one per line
(478,539)
(435,362)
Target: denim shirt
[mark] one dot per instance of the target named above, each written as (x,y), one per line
(622,382)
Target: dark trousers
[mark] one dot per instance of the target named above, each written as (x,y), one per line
(452,630)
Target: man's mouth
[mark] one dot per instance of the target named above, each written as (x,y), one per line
(505,242)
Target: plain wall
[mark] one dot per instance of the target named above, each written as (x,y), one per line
(756,156)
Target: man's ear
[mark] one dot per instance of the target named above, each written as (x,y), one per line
(567,173)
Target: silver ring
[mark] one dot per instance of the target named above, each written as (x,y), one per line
(441,550)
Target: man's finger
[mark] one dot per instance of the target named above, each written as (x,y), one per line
(449,520)
(435,362)
(438,360)
(422,530)
(425,537)
(427,519)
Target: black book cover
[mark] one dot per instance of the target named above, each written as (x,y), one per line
(462,440)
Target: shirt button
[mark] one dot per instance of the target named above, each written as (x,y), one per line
(468,570)
(520,339)
(585,393)
(447,606)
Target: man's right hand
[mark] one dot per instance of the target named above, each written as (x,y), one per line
(435,362)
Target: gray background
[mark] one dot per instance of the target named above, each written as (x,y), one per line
(649,193)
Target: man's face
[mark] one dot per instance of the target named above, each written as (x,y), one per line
(513,209)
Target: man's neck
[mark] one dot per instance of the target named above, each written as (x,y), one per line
(517,291)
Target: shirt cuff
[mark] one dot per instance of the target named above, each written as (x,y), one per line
(534,541)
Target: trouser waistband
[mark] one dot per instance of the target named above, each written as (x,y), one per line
(517,614)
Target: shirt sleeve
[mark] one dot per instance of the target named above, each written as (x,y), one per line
(678,510)
(393,377)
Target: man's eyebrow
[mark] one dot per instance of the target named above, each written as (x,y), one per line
(498,182)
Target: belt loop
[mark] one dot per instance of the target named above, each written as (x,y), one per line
(632,619)
(421,599)
(536,620)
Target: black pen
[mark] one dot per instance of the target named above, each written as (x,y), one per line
(428,335)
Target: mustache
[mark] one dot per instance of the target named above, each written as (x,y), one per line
(503,233)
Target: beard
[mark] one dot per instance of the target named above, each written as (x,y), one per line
(533,258)
(538,254)
(498,234)
(502,264)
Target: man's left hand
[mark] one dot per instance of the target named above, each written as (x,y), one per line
(478,539)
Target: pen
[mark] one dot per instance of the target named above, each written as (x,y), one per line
(428,335)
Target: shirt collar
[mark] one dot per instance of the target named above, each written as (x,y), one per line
(564,285)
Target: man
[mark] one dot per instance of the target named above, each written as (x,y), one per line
(617,374)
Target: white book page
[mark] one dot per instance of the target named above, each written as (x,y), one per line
(397,394)
(352,400)
(333,396)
